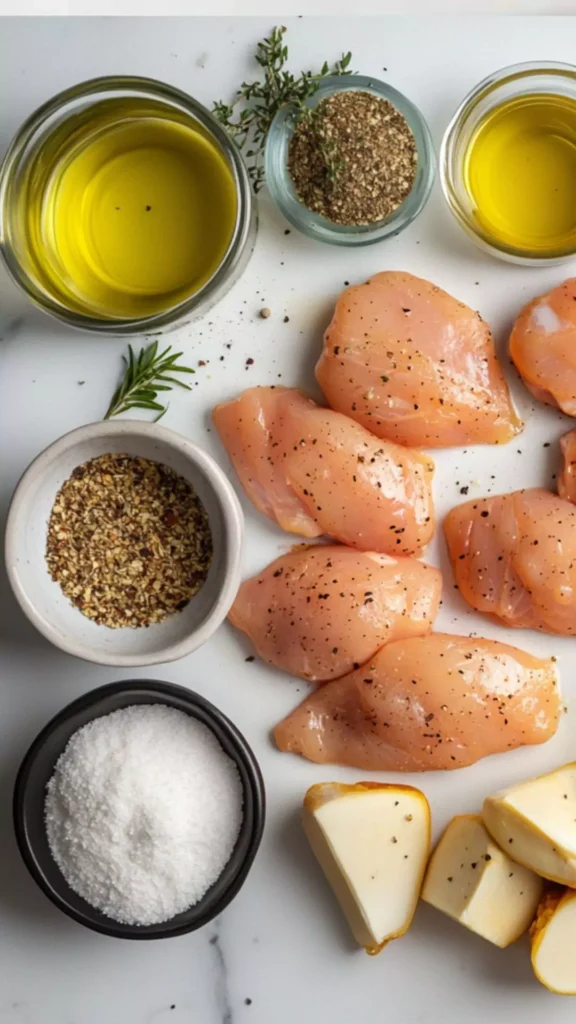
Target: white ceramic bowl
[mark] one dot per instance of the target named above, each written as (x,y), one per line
(42,599)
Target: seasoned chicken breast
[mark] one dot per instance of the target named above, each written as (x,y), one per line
(428,703)
(543,346)
(320,611)
(317,472)
(412,364)
(514,557)
(567,477)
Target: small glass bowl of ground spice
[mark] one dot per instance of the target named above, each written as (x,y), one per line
(123,544)
(354,166)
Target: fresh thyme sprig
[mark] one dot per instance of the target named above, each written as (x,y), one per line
(313,119)
(257,103)
(146,375)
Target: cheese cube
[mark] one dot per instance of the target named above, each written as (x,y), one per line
(553,941)
(372,842)
(535,822)
(472,880)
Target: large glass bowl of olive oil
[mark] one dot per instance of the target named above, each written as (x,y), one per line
(508,163)
(124,207)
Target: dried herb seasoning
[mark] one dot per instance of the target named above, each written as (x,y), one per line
(128,541)
(355,160)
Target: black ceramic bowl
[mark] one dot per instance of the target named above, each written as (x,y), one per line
(38,767)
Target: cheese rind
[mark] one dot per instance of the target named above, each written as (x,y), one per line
(372,841)
(535,822)
(553,940)
(472,880)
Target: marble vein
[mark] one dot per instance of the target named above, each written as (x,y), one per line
(222,990)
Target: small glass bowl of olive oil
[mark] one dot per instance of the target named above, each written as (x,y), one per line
(508,163)
(124,207)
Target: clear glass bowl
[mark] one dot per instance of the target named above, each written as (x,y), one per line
(17,174)
(281,186)
(514,81)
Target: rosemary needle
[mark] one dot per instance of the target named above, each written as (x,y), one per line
(145,375)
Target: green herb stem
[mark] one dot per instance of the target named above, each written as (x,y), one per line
(248,117)
(146,375)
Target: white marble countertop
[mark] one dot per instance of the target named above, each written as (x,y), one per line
(281,953)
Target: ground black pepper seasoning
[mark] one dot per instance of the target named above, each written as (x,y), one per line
(354,159)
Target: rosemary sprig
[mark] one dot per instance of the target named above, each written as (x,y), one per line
(146,375)
(257,103)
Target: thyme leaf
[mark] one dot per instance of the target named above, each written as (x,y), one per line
(248,117)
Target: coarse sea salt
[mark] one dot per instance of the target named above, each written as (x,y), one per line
(142,812)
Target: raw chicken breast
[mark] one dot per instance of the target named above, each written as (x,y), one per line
(543,346)
(413,364)
(316,472)
(567,478)
(321,611)
(433,702)
(514,556)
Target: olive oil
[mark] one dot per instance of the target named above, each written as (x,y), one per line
(520,173)
(133,207)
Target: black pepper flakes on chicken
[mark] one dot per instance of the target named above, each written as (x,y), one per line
(413,365)
(316,472)
(384,727)
(542,346)
(279,609)
(518,563)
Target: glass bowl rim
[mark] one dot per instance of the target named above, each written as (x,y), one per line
(523,70)
(320,228)
(101,87)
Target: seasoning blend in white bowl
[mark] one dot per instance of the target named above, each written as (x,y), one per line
(123,544)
